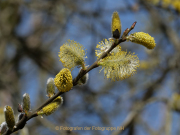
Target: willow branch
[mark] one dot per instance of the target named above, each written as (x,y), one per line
(25,118)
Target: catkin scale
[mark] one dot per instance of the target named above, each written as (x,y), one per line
(83,80)
(3,128)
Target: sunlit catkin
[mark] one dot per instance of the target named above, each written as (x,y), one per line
(119,66)
(52,107)
(63,80)
(142,38)
(72,54)
(116,25)
(9,117)
(103,46)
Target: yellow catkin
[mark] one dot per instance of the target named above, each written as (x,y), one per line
(9,117)
(167,3)
(176,5)
(103,46)
(120,65)
(72,54)
(143,39)
(116,25)
(52,107)
(63,80)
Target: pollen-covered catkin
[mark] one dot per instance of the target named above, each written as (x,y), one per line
(142,38)
(52,107)
(72,54)
(103,46)
(63,80)
(119,66)
(9,117)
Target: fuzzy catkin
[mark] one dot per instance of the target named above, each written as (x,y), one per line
(63,80)
(119,66)
(9,117)
(72,54)
(142,38)
(26,102)
(51,107)
(104,45)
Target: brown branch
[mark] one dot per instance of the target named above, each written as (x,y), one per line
(25,118)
